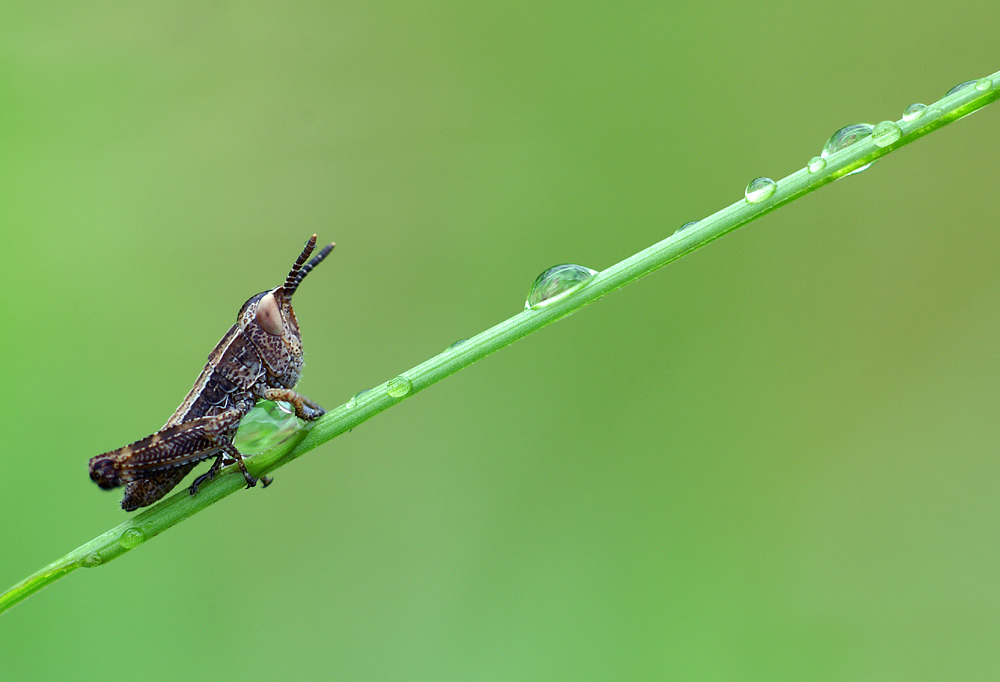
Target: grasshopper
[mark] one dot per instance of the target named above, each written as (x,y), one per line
(260,357)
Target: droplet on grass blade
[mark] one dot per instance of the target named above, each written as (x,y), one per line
(555,283)
(131,538)
(885,133)
(399,387)
(92,560)
(957,88)
(914,111)
(844,138)
(760,189)
(266,425)
(353,402)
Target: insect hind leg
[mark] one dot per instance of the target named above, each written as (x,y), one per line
(208,475)
(230,450)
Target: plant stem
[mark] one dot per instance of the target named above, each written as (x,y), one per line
(182,505)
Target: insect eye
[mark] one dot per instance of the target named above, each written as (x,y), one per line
(269,316)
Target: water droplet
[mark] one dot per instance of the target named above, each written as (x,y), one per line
(981,84)
(131,538)
(555,283)
(456,344)
(961,86)
(816,164)
(690,223)
(399,387)
(353,402)
(914,111)
(844,138)
(91,560)
(885,133)
(760,189)
(266,425)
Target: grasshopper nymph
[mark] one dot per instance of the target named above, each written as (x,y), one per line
(259,358)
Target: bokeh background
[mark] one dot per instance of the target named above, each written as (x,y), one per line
(775,459)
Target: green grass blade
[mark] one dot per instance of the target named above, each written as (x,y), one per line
(180,506)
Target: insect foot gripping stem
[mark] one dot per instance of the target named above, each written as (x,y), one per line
(259,358)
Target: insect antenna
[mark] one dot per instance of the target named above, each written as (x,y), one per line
(299,271)
(292,281)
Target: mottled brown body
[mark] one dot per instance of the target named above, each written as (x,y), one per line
(260,357)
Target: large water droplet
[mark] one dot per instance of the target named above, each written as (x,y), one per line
(399,387)
(266,425)
(885,133)
(456,344)
(690,223)
(91,560)
(555,283)
(760,189)
(816,164)
(984,84)
(914,111)
(961,86)
(844,138)
(131,538)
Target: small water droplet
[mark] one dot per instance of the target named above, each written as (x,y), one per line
(555,283)
(91,560)
(961,86)
(353,402)
(844,138)
(399,387)
(914,111)
(456,344)
(885,133)
(266,425)
(816,164)
(131,538)
(981,84)
(760,189)
(690,223)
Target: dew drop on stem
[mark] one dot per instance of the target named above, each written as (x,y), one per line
(555,283)
(760,189)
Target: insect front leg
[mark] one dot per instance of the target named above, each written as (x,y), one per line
(305,409)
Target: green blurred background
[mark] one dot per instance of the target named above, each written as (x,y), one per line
(773,460)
